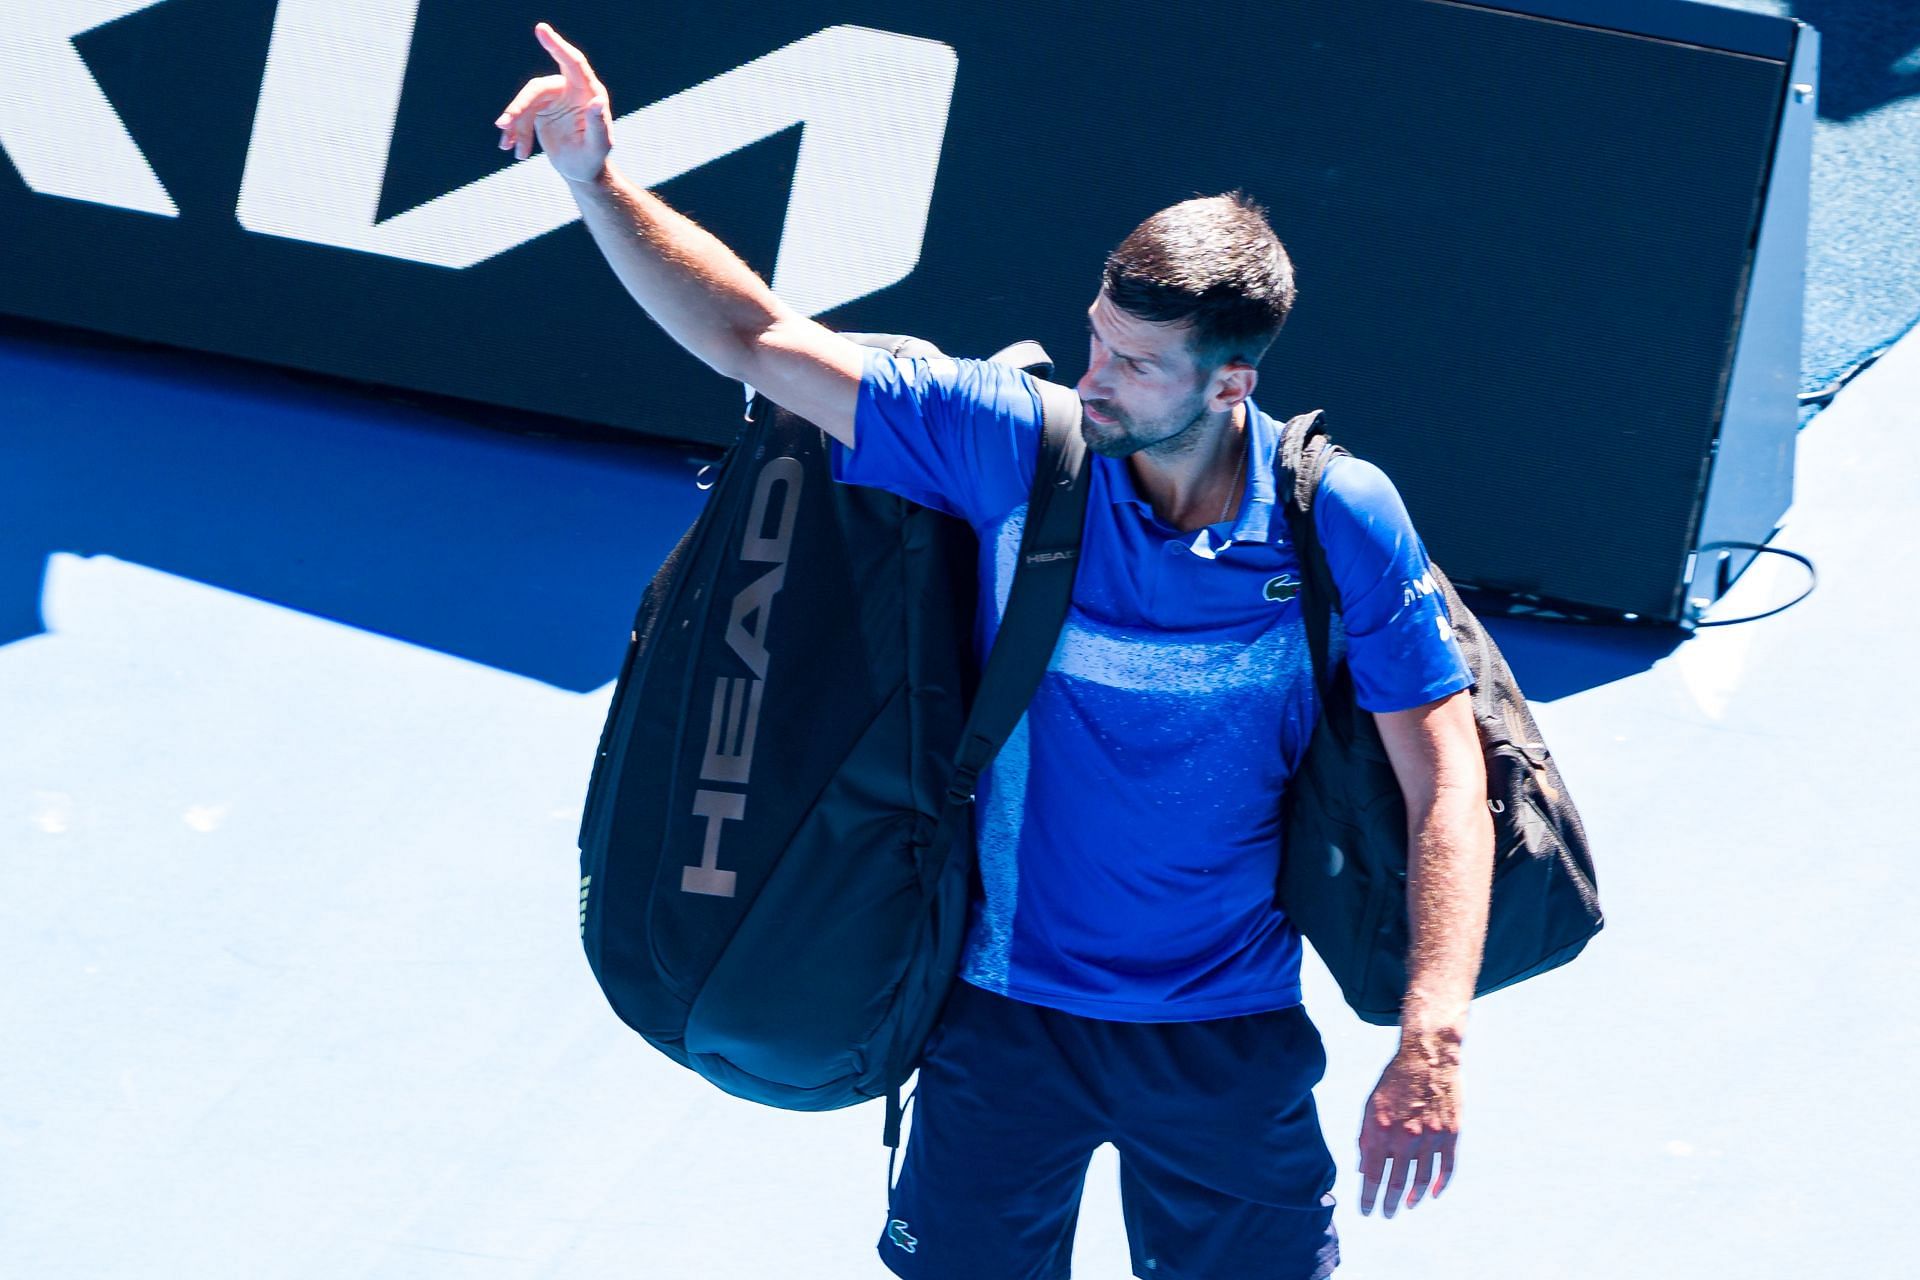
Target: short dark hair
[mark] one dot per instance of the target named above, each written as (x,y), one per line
(1213,260)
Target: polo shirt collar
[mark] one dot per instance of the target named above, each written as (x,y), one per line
(1256,519)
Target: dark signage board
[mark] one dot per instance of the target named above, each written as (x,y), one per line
(1470,193)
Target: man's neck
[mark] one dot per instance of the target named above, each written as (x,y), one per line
(1189,490)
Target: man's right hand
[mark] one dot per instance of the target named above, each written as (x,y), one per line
(692,285)
(570,114)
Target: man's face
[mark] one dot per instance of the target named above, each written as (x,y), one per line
(1144,388)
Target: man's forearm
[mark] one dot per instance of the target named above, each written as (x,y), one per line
(1449,882)
(692,285)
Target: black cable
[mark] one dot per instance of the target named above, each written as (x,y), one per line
(1823,398)
(1813,578)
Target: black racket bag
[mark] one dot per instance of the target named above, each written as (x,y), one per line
(776,849)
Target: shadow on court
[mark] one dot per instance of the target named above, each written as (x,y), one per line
(525,553)
(1869,53)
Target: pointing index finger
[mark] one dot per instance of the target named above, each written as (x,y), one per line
(573,63)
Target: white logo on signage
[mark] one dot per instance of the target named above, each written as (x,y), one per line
(63,135)
(873,106)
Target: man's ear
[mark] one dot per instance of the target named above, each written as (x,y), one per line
(1232,382)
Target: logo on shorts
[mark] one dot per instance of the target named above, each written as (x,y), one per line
(897,1232)
(1282,587)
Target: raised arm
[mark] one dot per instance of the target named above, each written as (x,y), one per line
(692,285)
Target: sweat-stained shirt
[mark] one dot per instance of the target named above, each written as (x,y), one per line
(1129,830)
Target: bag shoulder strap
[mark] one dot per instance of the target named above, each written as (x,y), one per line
(1037,606)
(1042,588)
(1306,450)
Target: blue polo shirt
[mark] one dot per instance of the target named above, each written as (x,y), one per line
(1129,830)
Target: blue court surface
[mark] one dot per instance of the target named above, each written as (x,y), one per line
(300,685)
(301,694)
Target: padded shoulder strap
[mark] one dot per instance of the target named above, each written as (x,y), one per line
(1042,589)
(1304,454)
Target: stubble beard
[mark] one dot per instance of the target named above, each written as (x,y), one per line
(1124,442)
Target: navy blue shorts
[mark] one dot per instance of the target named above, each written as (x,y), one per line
(1223,1172)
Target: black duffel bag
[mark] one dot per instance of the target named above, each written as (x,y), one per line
(1343,873)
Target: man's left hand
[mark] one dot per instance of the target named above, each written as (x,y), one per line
(1411,1127)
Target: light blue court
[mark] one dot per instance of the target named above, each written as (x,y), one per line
(299,690)
(299,703)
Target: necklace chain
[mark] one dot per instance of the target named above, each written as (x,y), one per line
(1234,490)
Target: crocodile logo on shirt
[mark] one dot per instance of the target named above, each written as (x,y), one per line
(897,1232)
(1282,587)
